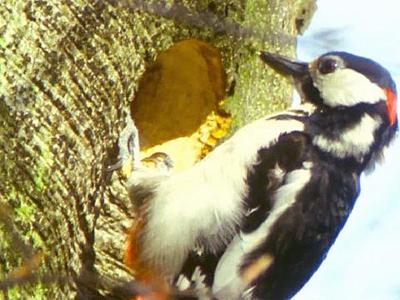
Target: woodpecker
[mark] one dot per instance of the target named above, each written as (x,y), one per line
(256,217)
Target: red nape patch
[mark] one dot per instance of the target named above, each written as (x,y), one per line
(391,105)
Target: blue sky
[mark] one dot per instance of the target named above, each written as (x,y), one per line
(364,263)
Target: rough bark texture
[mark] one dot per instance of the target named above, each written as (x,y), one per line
(68,71)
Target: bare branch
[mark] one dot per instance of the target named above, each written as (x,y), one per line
(204,19)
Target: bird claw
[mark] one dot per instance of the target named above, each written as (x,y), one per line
(128,147)
(159,160)
(129,152)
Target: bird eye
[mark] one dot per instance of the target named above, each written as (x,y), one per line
(327,65)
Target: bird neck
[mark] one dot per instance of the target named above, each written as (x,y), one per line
(356,135)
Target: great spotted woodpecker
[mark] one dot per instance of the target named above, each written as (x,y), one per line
(257,216)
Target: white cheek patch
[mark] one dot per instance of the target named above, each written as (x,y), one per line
(346,87)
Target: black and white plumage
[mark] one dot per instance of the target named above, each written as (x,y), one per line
(257,216)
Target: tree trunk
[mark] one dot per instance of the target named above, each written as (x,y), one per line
(68,72)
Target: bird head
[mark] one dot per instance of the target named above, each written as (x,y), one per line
(340,80)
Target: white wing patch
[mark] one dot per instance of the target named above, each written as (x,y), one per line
(195,284)
(228,281)
(183,283)
(354,141)
(205,202)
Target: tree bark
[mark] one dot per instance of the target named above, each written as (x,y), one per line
(68,72)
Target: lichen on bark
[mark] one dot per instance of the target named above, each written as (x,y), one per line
(68,72)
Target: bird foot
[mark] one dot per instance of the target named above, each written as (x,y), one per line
(129,153)
(159,160)
(128,147)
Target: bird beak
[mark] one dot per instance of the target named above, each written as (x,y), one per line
(285,65)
